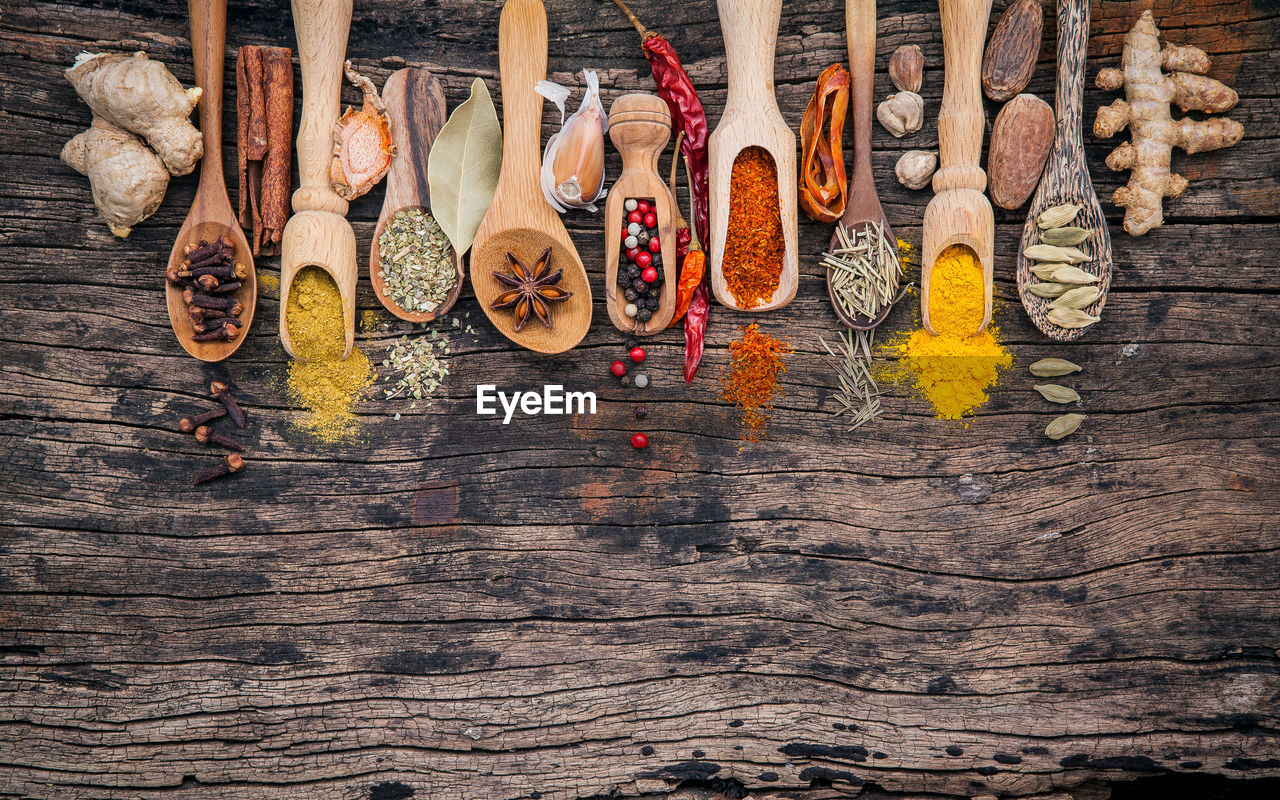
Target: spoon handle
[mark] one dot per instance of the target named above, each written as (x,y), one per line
(750,38)
(208,50)
(1073,46)
(960,120)
(522,60)
(860,36)
(322,27)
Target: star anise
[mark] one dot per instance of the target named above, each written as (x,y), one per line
(534,289)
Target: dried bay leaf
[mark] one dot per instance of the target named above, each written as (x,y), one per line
(463,167)
(1057,393)
(1053,368)
(1064,426)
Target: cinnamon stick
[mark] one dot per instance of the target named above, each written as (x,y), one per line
(264,106)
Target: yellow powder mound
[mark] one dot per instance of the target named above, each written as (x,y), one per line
(324,383)
(955,369)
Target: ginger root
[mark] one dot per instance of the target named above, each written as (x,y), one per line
(1149,92)
(128,180)
(141,96)
(362,146)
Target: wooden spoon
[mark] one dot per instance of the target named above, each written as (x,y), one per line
(863,207)
(752,119)
(959,212)
(416,107)
(211,214)
(318,233)
(520,221)
(1066,177)
(640,127)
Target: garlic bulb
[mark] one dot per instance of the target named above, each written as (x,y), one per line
(915,168)
(573,161)
(901,113)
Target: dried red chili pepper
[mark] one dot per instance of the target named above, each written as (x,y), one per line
(695,326)
(824,189)
(687,114)
(693,269)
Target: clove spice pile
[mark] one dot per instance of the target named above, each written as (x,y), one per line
(209,277)
(199,425)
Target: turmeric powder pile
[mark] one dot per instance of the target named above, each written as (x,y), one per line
(955,369)
(319,378)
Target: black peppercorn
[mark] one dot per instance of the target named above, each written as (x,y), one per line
(643,237)
(623,278)
(652,304)
(633,271)
(641,413)
(625,380)
(630,294)
(639,285)
(631,343)
(644,315)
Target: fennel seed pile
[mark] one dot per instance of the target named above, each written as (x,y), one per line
(417,268)
(864,270)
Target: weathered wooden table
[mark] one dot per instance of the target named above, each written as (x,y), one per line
(453,608)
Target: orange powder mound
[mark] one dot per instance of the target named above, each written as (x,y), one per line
(754,247)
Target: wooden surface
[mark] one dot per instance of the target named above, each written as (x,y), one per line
(453,608)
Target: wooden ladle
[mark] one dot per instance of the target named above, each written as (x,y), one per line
(640,127)
(864,206)
(752,119)
(211,214)
(1066,177)
(416,106)
(959,212)
(318,234)
(520,221)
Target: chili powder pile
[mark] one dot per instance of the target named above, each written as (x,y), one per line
(754,247)
(751,380)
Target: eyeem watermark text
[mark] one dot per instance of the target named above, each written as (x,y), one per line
(553,399)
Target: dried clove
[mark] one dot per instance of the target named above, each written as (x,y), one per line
(207,283)
(232,463)
(206,435)
(224,333)
(220,390)
(228,288)
(189,424)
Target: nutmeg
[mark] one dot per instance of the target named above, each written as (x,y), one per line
(901,113)
(915,168)
(906,68)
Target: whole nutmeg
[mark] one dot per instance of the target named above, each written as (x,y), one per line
(906,68)
(901,113)
(915,168)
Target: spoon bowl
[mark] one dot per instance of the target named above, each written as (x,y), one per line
(211,214)
(416,106)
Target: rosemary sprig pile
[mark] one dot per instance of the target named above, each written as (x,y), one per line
(864,270)
(859,396)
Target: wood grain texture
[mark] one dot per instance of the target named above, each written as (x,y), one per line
(455,608)
(417,111)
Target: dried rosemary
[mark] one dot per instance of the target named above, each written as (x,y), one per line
(858,395)
(421,365)
(864,271)
(417,269)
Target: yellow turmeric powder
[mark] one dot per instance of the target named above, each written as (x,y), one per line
(319,379)
(954,369)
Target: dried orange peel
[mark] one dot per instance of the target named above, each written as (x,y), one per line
(362,146)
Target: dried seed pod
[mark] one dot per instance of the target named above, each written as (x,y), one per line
(1048,290)
(1065,236)
(1021,138)
(1071,318)
(1057,216)
(1011,53)
(901,113)
(1056,393)
(1073,275)
(906,68)
(1079,297)
(1064,426)
(1044,271)
(915,168)
(1053,368)
(1048,252)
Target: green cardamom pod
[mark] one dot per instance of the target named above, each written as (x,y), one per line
(1048,290)
(1057,216)
(1055,393)
(1044,271)
(1053,368)
(1073,275)
(1049,252)
(1064,426)
(1064,237)
(1079,297)
(1071,318)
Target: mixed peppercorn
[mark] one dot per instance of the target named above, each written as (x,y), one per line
(640,265)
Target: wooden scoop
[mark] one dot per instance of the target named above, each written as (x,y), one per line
(752,119)
(520,221)
(211,214)
(318,234)
(863,206)
(640,127)
(1066,177)
(959,212)
(416,106)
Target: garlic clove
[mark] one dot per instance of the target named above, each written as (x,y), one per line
(901,113)
(573,161)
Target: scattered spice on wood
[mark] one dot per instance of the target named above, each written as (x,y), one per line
(206,435)
(533,290)
(417,264)
(754,246)
(189,424)
(858,395)
(420,362)
(756,362)
(264,113)
(232,463)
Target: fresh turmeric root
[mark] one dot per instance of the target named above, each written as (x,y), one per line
(362,146)
(1149,91)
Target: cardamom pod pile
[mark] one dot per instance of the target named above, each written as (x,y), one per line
(1067,424)
(1068,286)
